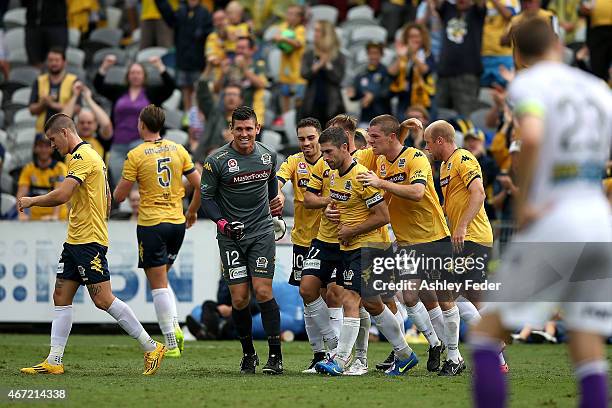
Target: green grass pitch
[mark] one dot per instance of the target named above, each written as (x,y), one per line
(105,371)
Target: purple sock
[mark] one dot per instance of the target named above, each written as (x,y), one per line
(593,380)
(489,384)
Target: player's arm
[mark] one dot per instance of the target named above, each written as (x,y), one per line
(476,200)
(122,190)
(284,173)
(59,196)
(194,178)
(378,217)
(414,191)
(313,201)
(532,130)
(128,178)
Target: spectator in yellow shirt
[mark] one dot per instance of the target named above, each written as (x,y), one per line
(291,39)
(40,177)
(499,14)
(236,28)
(154,32)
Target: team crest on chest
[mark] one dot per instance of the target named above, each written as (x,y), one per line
(348,186)
(383,169)
(266,158)
(232,165)
(401,162)
(302,168)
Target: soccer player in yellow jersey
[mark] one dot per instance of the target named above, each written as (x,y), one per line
(83,260)
(158,166)
(297,169)
(362,212)
(405,174)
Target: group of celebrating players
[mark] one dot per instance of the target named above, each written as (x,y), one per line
(344,200)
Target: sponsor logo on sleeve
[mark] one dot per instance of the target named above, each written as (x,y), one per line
(383,169)
(266,158)
(375,199)
(232,165)
(238,273)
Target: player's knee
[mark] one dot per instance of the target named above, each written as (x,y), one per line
(308,294)
(374,307)
(411,298)
(102,302)
(263,293)
(240,302)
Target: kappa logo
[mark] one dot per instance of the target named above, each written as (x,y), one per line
(465,158)
(402,162)
(417,154)
(348,275)
(348,186)
(266,158)
(96,264)
(208,167)
(232,164)
(237,273)
(262,262)
(302,168)
(383,170)
(77,156)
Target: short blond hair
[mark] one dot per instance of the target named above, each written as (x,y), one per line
(443,129)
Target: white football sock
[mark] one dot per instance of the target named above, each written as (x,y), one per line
(419,316)
(388,326)
(314,334)
(348,336)
(163,310)
(451,328)
(173,307)
(399,316)
(361,345)
(60,330)
(467,311)
(319,312)
(502,360)
(335,318)
(437,321)
(128,322)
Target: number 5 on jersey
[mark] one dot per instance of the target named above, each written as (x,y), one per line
(163,168)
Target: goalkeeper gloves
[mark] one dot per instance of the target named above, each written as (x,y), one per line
(280,227)
(233,230)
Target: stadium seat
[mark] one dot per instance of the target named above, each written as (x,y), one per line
(99,55)
(485,100)
(273,63)
(174,101)
(363,35)
(24,75)
(177,136)
(289,119)
(24,117)
(14,39)
(115,75)
(22,96)
(144,55)
(74,37)
(174,118)
(15,18)
(324,12)
(18,58)
(75,57)
(360,12)
(272,139)
(109,36)
(7,203)
(113,17)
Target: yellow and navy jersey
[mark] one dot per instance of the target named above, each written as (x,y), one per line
(413,222)
(41,181)
(291,62)
(354,201)
(366,158)
(158,168)
(305,221)
(89,205)
(319,184)
(456,175)
(236,31)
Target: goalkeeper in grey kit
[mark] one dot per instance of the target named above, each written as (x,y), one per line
(239,193)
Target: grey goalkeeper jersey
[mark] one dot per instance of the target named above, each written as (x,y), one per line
(239,186)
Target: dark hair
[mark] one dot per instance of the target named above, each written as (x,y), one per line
(233,85)
(377,45)
(360,139)
(59,121)
(533,38)
(310,122)
(153,118)
(387,123)
(251,40)
(344,121)
(243,113)
(334,135)
(58,50)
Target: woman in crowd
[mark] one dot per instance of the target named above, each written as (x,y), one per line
(128,100)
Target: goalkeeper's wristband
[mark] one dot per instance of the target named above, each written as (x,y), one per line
(221,224)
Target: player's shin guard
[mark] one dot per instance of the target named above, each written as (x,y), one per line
(361,344)
(320,314)
(451,329)
(388,326)
(244,326)
(60,330)
(348,336)
(335,319)
(400,316)
(127,320)
(593,382)
(163,308)
(315,338)
(270,318)
(419,316)
(173,307)
(489,383)
(467,311)
(437,321)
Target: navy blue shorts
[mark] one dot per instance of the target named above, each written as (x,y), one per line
(299,254)
(324,260)
(83,263)
(159,244)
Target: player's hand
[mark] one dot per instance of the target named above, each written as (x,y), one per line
(370,178)
(277,204)
(413,124)
(190,219)
(458,238)
(24,202)
(332,213)
(345,233)
(233,230)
